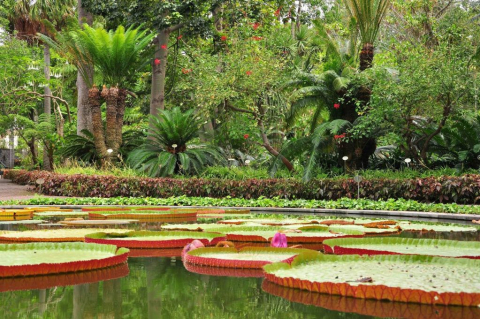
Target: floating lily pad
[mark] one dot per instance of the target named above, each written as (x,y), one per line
(406,226)
(60,214)
(248,257)
(143,215)
(105,209)
(369,231)
(21,222)
(418,279)
(98,222)
(305,234)
(49,258)
(370,307)
(53,235)
(16,215)
(224,272)
(154,239)
(403,246)
(64,279)
(270,222)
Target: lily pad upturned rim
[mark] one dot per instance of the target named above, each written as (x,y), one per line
(340,246)
(67,238)
(141,215)
(120,256)
(64,279)
(224,272)
(195,256)
(372,291)
(369,307)
(207,238)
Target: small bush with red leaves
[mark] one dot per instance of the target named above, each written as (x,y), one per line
(446,189)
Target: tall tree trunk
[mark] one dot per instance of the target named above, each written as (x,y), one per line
(157,99)
(110,96)
(47,106)
(122,96)
(11,144)
(84,114)
(98,135)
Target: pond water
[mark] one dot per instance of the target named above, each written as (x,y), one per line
(161,287)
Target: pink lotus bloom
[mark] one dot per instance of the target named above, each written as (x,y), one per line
(193,245)
(279,241)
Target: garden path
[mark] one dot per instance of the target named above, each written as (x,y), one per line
(9,190)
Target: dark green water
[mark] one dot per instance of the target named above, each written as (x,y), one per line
(159,288)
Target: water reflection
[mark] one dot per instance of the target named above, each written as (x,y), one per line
(158,288)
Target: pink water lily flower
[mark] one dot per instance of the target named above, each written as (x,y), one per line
(193,245)
(279,241)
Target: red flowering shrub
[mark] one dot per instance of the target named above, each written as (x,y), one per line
(255,25)
(336,105)
(248,72)
(224,38)
(257,38)
(245,136)
(446,189)
(339,136)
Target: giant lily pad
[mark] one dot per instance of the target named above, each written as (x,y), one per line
(407,226)
(63,279)
(49,258)
(270,222)
(369,231)
(418,279)
(98,222)
(224,272)
(248,257)
(370,307)
(306,234)
(143,215)
(19,214)
(403,246)
(154,239)
(53,235)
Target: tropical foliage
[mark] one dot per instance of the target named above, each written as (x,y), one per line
(165,152)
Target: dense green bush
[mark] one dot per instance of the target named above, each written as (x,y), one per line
(446,189)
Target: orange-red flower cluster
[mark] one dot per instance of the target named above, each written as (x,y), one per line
(186,71)
(336,105)
(245,136)
(249,72)
(163,46)
(339,136)
(156,61)
(223,38)
(257,38)
(256,25)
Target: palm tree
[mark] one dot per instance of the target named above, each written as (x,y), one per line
(368,15)
(166,152)
(116,55)
(31,17)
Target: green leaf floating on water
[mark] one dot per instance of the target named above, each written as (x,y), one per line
(156,235)
(248,257)
(407,226)
(55,253)
(65,234)
(381,246)
(408,278)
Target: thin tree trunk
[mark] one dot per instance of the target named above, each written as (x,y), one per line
(84,114)
(11,143)
(122,95)
(47,105)
(157,99)
(299,10)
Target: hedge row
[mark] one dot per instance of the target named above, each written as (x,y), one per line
(446,189)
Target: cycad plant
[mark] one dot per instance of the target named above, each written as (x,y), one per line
(165,152)
(116,55)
